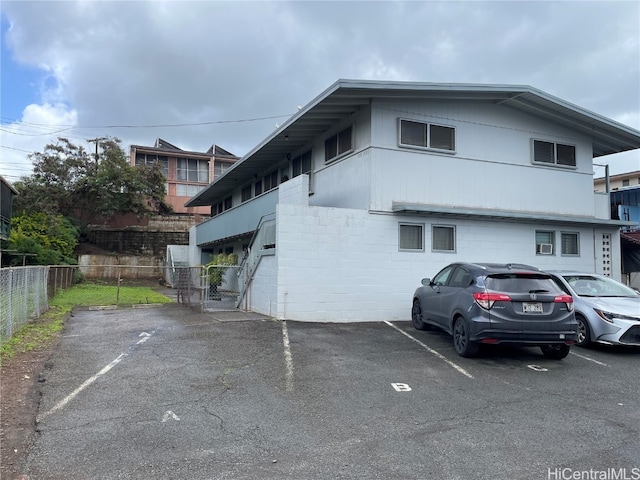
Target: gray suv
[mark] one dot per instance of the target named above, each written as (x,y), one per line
(488,303)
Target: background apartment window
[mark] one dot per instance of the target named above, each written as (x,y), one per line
(545,242)
(228,203)
(625,183)
(246,193)
(443,238)
(554,153)
(427,135)
(184,190)
(193,170)
(569,243)
(257,188)
(220,167)
(338,144)
(411,237)
(150,159)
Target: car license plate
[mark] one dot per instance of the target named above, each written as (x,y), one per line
(532,307)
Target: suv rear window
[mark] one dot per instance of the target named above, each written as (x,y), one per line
(521,283)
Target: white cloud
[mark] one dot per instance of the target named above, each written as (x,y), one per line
(152,63)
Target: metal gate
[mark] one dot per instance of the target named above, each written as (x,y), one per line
(210,288)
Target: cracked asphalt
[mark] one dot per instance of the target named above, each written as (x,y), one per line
(168,393)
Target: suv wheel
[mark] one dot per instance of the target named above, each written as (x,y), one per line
(555,351)
(416,316)
(463,346)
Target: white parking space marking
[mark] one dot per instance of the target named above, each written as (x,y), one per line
(401,387)
(87,382)
(169,415)
(538,368)
(584,357)
(431,350)
(93,378)
(288,359)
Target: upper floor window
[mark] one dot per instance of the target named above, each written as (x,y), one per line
(150,159)
(338,144)
(625,183)
(427,135)
(193,170)
(245,194)
(220,167)
(270,181)
(554,153)
(301,164)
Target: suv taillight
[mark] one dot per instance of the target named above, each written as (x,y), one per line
(487,299)
(566,299)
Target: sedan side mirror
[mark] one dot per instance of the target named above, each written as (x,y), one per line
(426,281)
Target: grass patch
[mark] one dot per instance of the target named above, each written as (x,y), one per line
(35,336)
(91,294)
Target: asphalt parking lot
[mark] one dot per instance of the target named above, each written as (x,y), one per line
(164,392)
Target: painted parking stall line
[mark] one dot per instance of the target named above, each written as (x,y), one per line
(584,357)
(61,404)
(432,351)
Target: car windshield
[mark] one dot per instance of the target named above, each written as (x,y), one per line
(521,283)
(595,286)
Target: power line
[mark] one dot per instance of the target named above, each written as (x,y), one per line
(213,122)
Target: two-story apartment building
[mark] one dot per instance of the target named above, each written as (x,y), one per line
(187,172)
(374,185)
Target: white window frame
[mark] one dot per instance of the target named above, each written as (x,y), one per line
(453,238)
(554,163)
(427,146)
(577,237)
(401,226)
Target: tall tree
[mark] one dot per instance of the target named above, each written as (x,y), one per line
(70,181)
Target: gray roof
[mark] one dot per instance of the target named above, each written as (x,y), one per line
(345,97)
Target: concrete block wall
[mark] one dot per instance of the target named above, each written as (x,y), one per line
(342,265)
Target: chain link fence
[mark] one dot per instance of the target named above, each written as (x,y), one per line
(25,291)
(23,296)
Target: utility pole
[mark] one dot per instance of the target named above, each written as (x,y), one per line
(97,141)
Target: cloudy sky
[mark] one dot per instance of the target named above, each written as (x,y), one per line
(197,73)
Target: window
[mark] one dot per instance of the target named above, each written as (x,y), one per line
(183,190)
(301,164)
(569,243)
(554,153)
(443,238)
(258,187)
(270,181)
(246,193)
(461,278)
(193,170)
(411,237)
(228,203)
(545,242)
(625,183)
(338,144)
(149,159)
(426,135)
(220,167)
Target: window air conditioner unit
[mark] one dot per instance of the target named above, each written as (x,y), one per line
(546,248)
